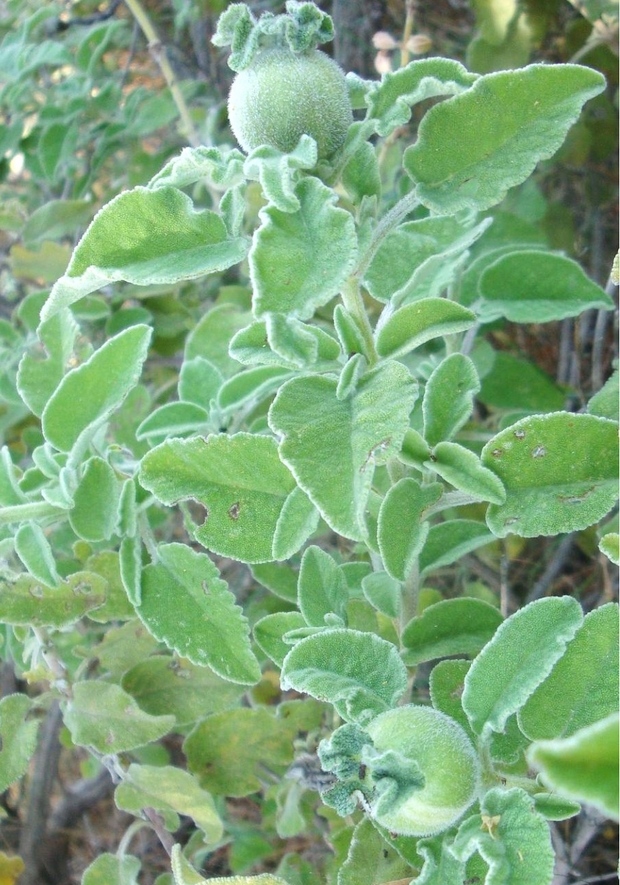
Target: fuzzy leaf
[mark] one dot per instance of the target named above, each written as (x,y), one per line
(146,237)
(518,658)
(417,323)
(583,686)
(583,766)
(211,337)
(251,346)
(506,124)
(103,716)
(511,837)
(353,434)
(401,530)
(276,171)
(268,633)
(390,101)
(322,588)
(370,860)
(35,552)
(37,378)
(239,479)
(360,674)
(19,738)
(450,627)
(94,513)
(188,606)
(537,287)
(448,397)
(226,749)
(299,260)
(184,874)
(448,541)
(172,419)
(223,170)
(610,546)
(446,683)
(462,469)
(383,593)
(89,394)
(110,869)
(560,473)
(27,602)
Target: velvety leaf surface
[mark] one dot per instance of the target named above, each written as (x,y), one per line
(417,323)
(359,673)
(35,552)
(110,869)
(299,260)
(268,633)
(583,766)
(322,588)
(88,395)
(225,750)
(188,606)
(19,738)
(446,683)
(276,171)
(146,237)
(537,287)
(448,397)
(184,874)
(103,716)
(94,513)
(239,479)
(39,374)
(383,593)
(560,473)
(353,434)
(401,531)
(449,541)
(518,658)
(370,860)
(26,601)
(506,124)
(172,419)
(462,469)
(211,337)
(583,686)
(511,837)
(450,627)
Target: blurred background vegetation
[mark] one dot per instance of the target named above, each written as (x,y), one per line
(96,96)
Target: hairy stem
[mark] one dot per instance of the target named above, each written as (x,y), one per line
(160,56)
(352,300)
(396,214)
(34,510)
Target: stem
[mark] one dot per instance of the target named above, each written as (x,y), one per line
(352,300)
(410,595)
(451,499)
(35,510)
(160,56)
(128,835)
(404,52)
(396,214)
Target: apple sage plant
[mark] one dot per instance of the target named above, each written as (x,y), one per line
(322,435)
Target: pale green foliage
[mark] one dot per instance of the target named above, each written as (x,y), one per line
(359,673)
(583,766)
(520,656)
(417,323)
(37,379)
(36,553)
(449,627)
(371,860)
(322,588)
(26,601)
(401,529)
(188,606)
(185,875)
(506,124)
(462,469)
(446,759)
(610,546)
(95,502)
(448,397)
(103,716)
(110,869)
(449,541)
(269,633)
(560,473)
(19,738)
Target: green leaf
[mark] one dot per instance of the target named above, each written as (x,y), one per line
(201,164)
(278,578)
(322,588)
(583,686)
(199,381)
(383,593)
(251,346)
(506,124)
(417,323)
(446,683)
(172,419)
(268,633)
(19,738)
(130,560)
(227,750)
(610,546)
(554,807)
(371,861)
(117,606)
(448,541)
(419,259)
(519,384)
(37,378)
(162,684)
(188,606)
(184,874)
(27,602)
(560,473)
(352,434)
(360,674)
(537,287)
(512,838)
(239,479)
(450,627)
(111,869)
(250,387)
(605,403)
(169,789)
(95,510)
(448,397)
(210,339)
(103,716)
(146,237)
(35,552)
(361,176)
(88,395)
(520,656)
(583,766)
(57,219)
(390,101)
(276,171)
(401,530)
(299,260)
(124,647)
(462,469)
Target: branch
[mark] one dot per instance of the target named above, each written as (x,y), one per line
(89,19)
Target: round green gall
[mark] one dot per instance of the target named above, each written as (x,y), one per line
(283,95)
(446,759)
